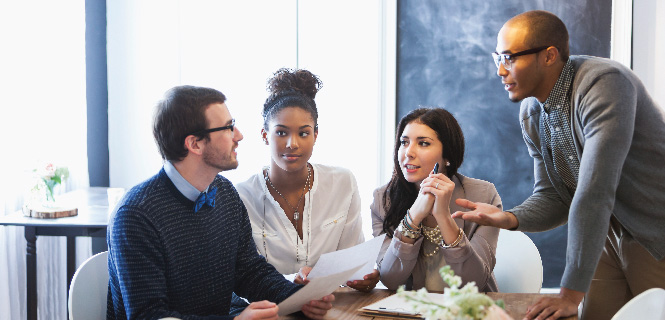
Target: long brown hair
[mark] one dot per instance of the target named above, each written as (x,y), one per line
(401,194)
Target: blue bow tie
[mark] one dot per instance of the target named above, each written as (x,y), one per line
(205,198)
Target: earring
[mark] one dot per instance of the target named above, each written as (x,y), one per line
(266,141)
(447,163)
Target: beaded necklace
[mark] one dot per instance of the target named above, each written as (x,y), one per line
(433,235)
(296,217)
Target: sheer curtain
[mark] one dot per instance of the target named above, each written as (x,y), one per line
(42,119)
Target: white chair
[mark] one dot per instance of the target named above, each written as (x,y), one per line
(87,293)
(518,268)
(648,305)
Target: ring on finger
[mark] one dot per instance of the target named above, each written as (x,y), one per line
(436,186)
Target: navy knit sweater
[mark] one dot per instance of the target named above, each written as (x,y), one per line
(166,260)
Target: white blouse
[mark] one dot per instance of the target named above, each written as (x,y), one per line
(331,219)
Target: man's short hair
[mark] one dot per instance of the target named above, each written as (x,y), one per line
(545,29)
(179,114)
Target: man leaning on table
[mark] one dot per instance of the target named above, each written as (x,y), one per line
(598,144)
(180,243)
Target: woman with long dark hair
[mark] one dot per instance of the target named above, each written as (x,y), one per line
(414,209)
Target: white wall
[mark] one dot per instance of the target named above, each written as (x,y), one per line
(235,46)
(649,46)
(155,45)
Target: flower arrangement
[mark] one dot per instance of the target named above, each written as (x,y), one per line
(51,176)
(464,303)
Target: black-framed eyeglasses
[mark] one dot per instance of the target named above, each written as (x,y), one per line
(202,132)
(507,58)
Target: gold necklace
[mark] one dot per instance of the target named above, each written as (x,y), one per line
(309,223)
(433,235)
(296,215)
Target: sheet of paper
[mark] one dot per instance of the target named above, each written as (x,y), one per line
(364,253)
(314,290)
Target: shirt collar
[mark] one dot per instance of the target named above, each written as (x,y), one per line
(186,188)
(559,93)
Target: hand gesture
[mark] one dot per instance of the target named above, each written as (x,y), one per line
(261,310)
(486,215)
(422,206)
(367,284)
(439,185)
(317,309)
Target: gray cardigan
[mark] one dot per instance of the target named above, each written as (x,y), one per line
(619,135)
(472,260)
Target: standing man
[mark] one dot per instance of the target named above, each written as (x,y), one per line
(598,144)
(180,243)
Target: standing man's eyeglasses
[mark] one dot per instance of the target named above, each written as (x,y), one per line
(507,58)
(202,132)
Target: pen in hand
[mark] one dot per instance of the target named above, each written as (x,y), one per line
(436,168)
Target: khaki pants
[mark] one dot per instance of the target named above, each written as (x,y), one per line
(625,270)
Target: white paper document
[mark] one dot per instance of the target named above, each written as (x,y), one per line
(314,290)
(364,253)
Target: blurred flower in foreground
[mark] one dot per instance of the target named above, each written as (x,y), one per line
(464,303)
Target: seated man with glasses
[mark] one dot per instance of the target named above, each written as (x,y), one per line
(597,140)
(180,243)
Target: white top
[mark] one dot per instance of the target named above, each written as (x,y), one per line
(331,219)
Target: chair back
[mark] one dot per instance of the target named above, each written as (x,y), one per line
(518,268)
(89,288)
(648,305)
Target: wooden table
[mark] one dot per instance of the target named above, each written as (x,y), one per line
(347,301)
(91,221)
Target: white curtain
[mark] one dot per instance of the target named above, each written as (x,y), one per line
(42,119)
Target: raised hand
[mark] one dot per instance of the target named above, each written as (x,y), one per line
(441,187)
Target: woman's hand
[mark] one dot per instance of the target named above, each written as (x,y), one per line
(367,284)
(301,276)
(442,188)
(422,207)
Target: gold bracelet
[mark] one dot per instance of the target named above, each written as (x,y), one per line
(455,243)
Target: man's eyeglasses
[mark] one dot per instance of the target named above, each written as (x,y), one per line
(507,59)
(202,132)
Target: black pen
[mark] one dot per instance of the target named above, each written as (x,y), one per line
(436,168)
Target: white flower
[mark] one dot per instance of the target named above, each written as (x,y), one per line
(457,304)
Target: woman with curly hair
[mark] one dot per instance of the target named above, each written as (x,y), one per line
(300,210)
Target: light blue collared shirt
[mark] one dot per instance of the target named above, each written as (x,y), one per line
(186,188)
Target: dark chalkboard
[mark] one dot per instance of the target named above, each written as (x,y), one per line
(443,59)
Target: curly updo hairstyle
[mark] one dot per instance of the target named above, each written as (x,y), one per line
(291,88)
